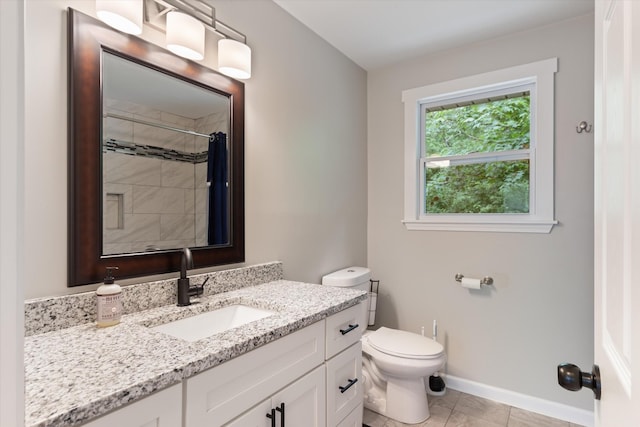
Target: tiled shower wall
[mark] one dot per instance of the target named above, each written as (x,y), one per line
(152,203)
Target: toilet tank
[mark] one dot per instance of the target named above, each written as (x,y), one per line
(350,277)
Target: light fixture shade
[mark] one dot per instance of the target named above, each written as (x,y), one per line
(123,15)
(185,36)
(234,59)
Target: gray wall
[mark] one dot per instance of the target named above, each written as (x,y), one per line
(305,125)
(540,310)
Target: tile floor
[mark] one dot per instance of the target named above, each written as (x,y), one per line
(457,409)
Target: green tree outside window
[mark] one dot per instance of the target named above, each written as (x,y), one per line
(471,184)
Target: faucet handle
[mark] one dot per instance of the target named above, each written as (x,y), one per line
(197,290)
(200,288)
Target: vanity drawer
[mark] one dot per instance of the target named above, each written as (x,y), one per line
(345,328)
(354,419)
(344,383)
(220,394)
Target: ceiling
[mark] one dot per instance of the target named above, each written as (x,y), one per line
(377,33)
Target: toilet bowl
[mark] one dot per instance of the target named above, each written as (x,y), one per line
(394,362)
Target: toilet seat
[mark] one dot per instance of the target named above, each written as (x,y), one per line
(404,344)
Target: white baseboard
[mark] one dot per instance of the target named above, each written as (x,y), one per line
(522,401)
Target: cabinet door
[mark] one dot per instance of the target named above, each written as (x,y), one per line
(304,401)
(162,409)
(344,384)
(256,416)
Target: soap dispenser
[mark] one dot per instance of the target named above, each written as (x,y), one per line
(109,299)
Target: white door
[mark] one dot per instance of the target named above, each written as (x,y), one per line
(617,211)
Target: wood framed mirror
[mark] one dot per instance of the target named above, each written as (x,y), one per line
(116,134)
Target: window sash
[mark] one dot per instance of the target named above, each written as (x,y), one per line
(475,158)
(478,96)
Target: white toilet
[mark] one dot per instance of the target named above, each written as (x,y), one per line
(394,362)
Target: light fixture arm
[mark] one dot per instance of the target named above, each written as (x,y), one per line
(155,12)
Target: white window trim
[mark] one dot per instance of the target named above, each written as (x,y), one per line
(541,216)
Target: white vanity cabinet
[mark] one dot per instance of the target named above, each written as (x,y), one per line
(314,372)
(161,409)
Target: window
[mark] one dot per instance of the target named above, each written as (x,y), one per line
(479,152)
(475,154)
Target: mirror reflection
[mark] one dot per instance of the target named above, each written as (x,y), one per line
(165,161)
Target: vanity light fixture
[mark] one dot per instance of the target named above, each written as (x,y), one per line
(125,16)
(185,23)
(185,35)
(234,59)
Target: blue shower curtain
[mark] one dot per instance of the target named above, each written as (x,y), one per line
(217,179)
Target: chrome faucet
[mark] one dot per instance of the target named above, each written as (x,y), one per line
(185,290)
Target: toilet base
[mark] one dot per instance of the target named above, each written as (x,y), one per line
(404,400)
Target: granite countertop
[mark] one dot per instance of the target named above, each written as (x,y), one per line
(75,374)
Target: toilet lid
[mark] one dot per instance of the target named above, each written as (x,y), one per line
(404,344)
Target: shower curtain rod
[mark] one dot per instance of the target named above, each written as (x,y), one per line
(158,125)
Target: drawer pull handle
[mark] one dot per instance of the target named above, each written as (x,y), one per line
(281,410)
(272,416)
(349,329)
(348,386)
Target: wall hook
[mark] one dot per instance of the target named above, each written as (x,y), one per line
(583,126)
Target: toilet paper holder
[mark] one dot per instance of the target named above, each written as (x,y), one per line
(487,280)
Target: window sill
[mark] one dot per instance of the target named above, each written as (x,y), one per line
(507,225)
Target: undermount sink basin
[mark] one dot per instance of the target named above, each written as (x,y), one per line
(204,325)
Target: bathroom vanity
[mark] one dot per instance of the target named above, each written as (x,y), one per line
(285,379)
(301,365)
